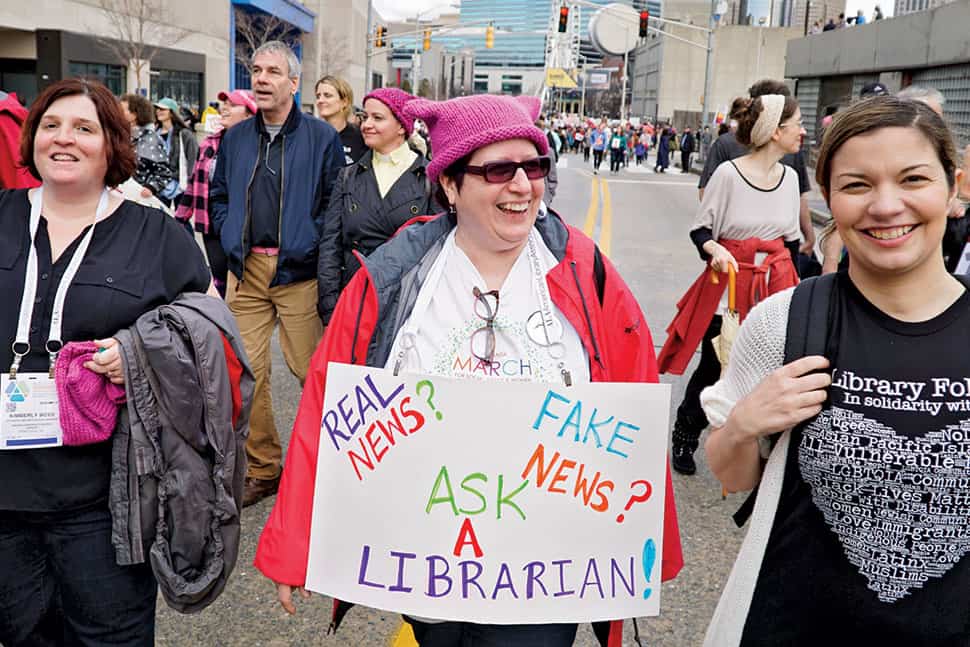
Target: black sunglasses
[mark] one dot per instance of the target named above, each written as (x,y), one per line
(486,308)
(504,170)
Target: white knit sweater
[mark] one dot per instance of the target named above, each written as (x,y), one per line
(758,350)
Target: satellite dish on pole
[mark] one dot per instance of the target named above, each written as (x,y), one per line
(614,29)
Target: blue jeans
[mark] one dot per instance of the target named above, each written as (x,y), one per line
(468,634)
(61,585)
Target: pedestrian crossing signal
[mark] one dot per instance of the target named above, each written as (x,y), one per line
(563,19)
(644,20)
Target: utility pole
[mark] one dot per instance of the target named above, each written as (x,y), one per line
(705,110)
(367,47)
(626,64)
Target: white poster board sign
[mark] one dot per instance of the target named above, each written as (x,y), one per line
(490,502)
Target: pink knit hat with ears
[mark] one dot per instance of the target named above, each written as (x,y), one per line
(395,99)
(465,124)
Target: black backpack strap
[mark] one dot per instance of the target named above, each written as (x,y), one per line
(599,274)
(809,317)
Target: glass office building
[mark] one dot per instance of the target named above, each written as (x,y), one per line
(520,31)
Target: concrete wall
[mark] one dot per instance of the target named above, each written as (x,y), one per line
(925,39)
(741,56)
(337,46)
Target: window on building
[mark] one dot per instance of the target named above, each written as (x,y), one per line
(113,76)
(512,84)
(184,87)
(481,83)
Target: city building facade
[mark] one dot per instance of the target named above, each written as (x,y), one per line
(63,38)
(904,7)
(516,62)
(191,51)
(926,49)
(667,74)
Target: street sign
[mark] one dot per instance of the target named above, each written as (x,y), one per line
(598,79)
(557,78)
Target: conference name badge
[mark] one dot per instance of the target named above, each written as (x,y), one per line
(29,416)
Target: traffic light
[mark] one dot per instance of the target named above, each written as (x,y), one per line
(381,33)
(427,39)
(644,19)
(489,37)
(563,18)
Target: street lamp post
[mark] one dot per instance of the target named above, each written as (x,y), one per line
(367,46)
(705,109)
(626,64)
(582,99)
(416,60)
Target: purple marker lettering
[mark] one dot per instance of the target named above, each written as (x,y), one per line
(434,576)
(467,581)
(561,563)
(401,558)
(504,581)
(591,568)
(532,579)
(362,577)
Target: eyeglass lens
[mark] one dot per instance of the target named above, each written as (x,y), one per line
(504,171)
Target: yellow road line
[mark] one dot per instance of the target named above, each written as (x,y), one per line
(404,637)
(594,207)
(606,225)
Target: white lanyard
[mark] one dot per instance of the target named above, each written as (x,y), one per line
(543,327)
(21,345)
(548,328)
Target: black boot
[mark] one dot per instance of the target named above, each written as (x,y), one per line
(683,445)
(682,459)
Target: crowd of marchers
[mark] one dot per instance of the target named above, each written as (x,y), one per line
(148,263)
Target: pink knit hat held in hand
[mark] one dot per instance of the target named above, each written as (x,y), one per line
(461,126)
(88,402)
(395,99)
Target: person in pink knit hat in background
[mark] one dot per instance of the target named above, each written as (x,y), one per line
(373,197)
(529,287)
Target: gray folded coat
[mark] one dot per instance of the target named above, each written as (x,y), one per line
(178,457)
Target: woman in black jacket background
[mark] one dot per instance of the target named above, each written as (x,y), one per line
(372,198)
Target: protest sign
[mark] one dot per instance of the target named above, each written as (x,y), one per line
(489,501)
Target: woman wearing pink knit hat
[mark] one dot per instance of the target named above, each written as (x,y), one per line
(373,197)
(490,278)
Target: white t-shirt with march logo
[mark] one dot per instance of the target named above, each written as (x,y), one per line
(437,337)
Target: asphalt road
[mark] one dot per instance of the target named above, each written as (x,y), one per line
(640,220)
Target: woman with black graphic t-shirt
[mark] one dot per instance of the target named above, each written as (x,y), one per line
(861,522)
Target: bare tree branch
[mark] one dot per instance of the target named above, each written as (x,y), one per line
(256,28)
(334,52)
(137,31)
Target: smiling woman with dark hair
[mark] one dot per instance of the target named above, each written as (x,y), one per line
(858,534)
(77,264)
